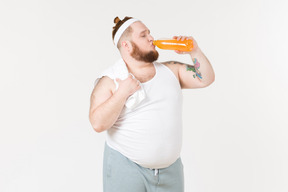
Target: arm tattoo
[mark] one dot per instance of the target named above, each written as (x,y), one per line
(195,68)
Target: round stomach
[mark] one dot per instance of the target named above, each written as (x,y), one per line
(151,145)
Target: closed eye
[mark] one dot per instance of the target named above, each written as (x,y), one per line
(143,33)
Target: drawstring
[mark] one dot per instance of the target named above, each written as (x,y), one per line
(156,171)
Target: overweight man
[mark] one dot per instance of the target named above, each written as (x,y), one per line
(138,102)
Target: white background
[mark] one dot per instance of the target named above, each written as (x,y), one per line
(235,131)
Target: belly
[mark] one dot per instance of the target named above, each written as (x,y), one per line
(154,144)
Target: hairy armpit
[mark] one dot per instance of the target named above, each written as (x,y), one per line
(173,63)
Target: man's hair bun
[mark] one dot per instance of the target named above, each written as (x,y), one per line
(116,20)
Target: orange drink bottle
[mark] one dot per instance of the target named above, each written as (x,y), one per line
(173,44)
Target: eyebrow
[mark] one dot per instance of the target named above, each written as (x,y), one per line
(145,31)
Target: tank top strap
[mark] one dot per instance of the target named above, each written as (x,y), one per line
(161,68)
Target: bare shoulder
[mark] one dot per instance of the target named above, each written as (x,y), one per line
(102,91)
(104,85)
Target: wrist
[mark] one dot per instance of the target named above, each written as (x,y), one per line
(195,52)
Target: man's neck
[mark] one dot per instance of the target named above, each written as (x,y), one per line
(135,65)
(141,70)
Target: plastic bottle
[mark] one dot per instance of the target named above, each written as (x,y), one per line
(173,44)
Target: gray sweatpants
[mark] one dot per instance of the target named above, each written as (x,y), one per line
(122,175)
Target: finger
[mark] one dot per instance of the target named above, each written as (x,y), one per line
(138,87)
(178,38)
(183,38)
(179,52)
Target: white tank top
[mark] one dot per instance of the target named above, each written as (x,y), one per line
(151,134)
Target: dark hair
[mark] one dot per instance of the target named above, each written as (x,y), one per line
(118,24)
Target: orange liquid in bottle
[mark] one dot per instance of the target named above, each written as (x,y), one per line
(173,44)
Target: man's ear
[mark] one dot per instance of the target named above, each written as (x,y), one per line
(127,46)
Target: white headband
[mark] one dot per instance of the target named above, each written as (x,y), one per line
(122,28)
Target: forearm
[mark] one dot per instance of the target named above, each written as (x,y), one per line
(105,115)
(206,70)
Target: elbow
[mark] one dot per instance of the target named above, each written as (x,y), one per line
(98,129)
(212,80)
(207,84)
(97,126)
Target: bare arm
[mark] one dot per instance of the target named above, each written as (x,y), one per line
(197,76)
(106,106)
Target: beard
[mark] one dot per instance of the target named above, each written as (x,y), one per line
(139,55)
